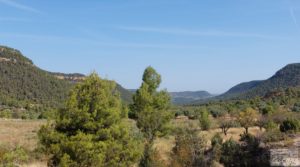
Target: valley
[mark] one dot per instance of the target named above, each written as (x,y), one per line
(43,113)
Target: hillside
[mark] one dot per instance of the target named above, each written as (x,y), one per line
(126,95)
(240,88)
(289,76)
(189,96)
(23,84)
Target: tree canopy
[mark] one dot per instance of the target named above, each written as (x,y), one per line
(89,131)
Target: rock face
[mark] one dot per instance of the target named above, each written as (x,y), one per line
(288,156)
(75,77)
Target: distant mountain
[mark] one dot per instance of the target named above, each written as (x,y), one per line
(240,89)
(22,83)
(289,76)
(189,96)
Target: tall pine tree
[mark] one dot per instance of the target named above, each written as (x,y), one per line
(89,131)
(151,107)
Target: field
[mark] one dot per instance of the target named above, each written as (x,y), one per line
(21,133)
(24,133)
(164,145)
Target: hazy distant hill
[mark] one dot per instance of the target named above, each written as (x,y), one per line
(23,83)
(289,76)
(189,96)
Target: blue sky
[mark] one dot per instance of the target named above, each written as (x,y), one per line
(196,45)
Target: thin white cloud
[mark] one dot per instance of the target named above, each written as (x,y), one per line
(187,32)
(74,40)
(292,13)
(19,6)
(13,19)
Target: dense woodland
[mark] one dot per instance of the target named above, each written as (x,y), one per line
(27,91)
(95,122)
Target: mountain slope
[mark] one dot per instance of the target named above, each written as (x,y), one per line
(240,88)
(126,95)
(23,84)
(289,76)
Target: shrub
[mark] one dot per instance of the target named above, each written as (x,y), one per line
(230,153)
(272,136)
(204,120)
(290,125)
(189,148)
(14,157)
(216,143)
(217,111)
(296,107)
(6,113)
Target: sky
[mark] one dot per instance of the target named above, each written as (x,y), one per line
(194,44)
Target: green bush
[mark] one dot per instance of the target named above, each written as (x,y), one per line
(230,153)
(6,113)
(272,136)
(290,125)
(12,158)
(205,122)
(296,107)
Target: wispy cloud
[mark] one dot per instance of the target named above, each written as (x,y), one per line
(292,13)
(76,40)
(19,6)
(188,32)
(13,19)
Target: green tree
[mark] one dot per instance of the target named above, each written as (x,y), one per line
(248,118)
(225,124)
(89,131)
(151,108)
(204,120)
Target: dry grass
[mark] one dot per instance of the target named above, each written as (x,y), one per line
(35,164)
(24,133)
(233,133)
(165,145)
(19,133)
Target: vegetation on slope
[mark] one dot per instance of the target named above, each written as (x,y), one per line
(27,90)
(289,76)
(24,85)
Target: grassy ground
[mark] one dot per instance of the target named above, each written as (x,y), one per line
(164,145)
(24,133)
(21,133)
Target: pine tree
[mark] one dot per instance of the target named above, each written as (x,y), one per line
(89,131)
(151,108)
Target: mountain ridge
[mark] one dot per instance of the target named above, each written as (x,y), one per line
(288,76)
(22,83)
